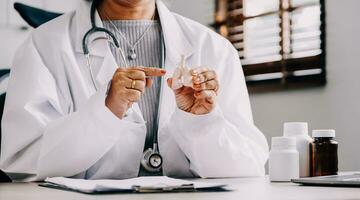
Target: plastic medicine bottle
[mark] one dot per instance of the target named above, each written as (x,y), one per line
(299,130)
(323,153)
(283,159)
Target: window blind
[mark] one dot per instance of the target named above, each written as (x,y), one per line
(277,40)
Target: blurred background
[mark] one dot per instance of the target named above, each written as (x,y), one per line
(300,58)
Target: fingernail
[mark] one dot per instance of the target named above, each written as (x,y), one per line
(163,71)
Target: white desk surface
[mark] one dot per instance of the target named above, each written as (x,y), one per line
(244,188)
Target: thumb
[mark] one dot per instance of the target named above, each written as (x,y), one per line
(176,90)
(169,82)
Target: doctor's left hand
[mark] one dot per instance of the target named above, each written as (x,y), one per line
(199,99)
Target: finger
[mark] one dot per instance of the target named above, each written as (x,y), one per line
(120,72)
(208,95)
(204,76)
(201,107)
(149,71)
(135,74)
(133,95)
(176,91)
(136,85)
(153,71)
(136,68)
(149,82)
(199,110)
(209,85)
(125,78)
(120,81)
(120,69)
(198,70)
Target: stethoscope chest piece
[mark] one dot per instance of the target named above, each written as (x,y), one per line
(152,160)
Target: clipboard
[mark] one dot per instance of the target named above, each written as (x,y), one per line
(147,185)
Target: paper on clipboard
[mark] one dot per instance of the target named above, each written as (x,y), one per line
(139,184)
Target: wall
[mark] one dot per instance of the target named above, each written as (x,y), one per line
(335,106)
(11,32)
(198,10)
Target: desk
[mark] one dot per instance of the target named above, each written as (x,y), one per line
(245,188)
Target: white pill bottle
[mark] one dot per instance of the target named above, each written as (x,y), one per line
(283,159)
(299,130)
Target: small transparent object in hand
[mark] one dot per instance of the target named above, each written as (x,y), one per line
(182,76)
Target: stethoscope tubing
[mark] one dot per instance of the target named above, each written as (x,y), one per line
(113,41)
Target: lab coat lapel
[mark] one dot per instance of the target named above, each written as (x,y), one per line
(98,48)
(176,44)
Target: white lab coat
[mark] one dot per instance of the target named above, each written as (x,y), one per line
(56,124)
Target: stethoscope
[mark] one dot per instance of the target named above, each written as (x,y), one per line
(151,159)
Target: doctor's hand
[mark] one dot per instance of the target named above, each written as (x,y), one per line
(127,86)
(200,98)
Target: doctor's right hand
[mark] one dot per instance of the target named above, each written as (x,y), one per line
(127,86)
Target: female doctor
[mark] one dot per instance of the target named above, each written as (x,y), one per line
(102,103)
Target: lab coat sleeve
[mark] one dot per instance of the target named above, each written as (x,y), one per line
(225,142)
(43,138)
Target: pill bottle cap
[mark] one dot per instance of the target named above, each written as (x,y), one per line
(283,143)
(295,128)
(323,133)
